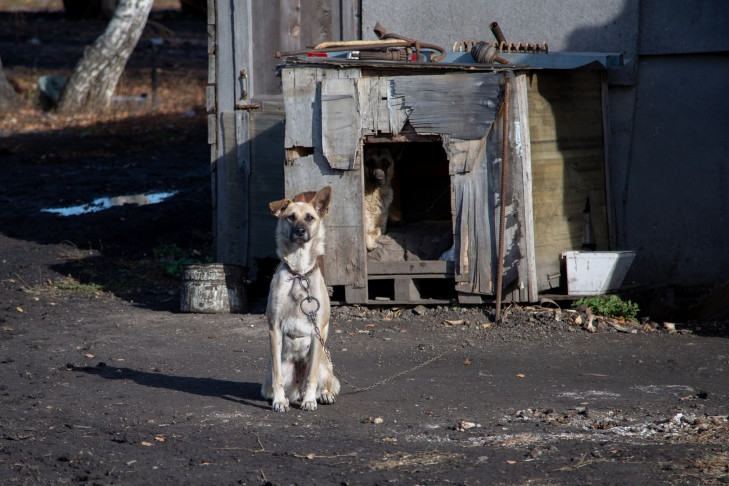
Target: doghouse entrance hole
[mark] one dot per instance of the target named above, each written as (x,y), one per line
(423,196)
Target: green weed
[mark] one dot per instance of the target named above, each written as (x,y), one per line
(173,258)
(72,285)
(612,306)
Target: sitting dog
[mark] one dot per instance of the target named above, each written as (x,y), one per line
(379,194)
(298,307)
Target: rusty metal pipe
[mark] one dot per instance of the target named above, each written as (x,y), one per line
(502,197)
(339,48)
(496,30)
(390,55)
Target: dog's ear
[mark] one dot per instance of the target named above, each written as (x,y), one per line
(322,200)
(397,151)
(278,207)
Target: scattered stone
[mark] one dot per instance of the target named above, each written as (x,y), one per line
(463,425)
(420,310)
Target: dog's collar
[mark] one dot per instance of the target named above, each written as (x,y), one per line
(298,274)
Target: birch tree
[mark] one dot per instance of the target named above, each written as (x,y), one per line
(97,74)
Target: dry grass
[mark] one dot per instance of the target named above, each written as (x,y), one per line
(177,92)
(180,91)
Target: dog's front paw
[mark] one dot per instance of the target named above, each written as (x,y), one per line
(326,398)
(281,405)
(309,405)
(371,243)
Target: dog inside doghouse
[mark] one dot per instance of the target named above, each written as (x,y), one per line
(418,222)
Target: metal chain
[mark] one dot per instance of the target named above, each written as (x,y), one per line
(311,314)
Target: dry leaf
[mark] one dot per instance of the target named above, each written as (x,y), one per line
(485,325)
(511,462)
(159,438)
(467,362)
(146,444)
(19,309)
(369,325)
(456,322)
(89,355)
(389,439)
(521,375)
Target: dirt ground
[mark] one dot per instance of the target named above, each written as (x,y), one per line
(104,381)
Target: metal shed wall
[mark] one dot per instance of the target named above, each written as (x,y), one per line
(668,116)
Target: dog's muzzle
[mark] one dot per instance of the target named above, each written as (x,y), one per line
(299,233)
(377,176)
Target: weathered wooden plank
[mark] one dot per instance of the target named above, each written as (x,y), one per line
(462,105)
(243,54)
(299,89)
(347,18)
(340,129)
(420,268)
(568,165)
(463,154)
(210,99)
(396,110)
(316,22)
(212,128)
(266,35)
(526,284)
(511,198)
(475,232)
(224,57)
(211,53)
(289,26)
(211,16)
(368,96)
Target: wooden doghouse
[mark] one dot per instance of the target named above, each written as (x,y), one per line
(445,122)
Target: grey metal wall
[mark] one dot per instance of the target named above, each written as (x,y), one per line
(668,108)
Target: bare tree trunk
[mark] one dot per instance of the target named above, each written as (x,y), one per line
(8,97)
(94,80)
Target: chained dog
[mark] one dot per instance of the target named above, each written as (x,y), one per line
(379,194)
(300,371)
